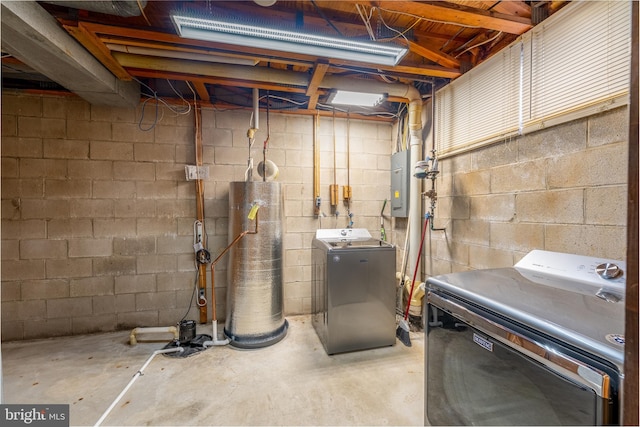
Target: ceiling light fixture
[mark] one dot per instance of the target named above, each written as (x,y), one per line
(216,30)
(362,99)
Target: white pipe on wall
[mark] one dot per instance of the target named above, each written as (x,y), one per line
(256,108)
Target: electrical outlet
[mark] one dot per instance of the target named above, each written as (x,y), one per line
(192,172)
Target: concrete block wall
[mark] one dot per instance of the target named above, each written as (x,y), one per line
(561,189)
(97,216)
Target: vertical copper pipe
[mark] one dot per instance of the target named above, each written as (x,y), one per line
(202,268)
(316,166)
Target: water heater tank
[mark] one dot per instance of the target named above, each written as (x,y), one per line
(255,316)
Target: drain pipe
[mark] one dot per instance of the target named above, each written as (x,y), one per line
(135,377)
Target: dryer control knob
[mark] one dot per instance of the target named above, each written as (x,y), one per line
(608,271)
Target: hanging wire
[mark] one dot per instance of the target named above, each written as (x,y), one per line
(158,113)
(480,44)
(366,20)
(422,18)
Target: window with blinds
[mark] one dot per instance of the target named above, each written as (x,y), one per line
(574,64)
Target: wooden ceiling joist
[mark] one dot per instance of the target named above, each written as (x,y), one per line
(445,12)
(201,90)
(172,75)
(438,57)
(319,71)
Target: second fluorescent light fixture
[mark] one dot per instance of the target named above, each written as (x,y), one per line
(344,97)
(216,30)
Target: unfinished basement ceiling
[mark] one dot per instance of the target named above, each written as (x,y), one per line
(137,42)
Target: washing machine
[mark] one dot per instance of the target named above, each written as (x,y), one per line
(539,343)
(353,290)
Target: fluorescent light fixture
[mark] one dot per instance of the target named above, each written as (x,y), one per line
(344,97)
(216,30)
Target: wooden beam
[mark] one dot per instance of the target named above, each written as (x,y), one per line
(160,37)
(201,90)
(222,81)
(101,52)
(319,71)
(458,14)
(313,101)
(438,57)
(412,69)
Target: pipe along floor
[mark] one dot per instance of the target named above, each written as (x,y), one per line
(293,382)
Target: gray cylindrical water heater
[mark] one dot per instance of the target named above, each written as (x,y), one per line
(255,316)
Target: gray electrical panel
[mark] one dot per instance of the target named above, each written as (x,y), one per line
(400,184)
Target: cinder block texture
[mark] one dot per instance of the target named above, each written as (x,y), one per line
(561,189)
(97,215)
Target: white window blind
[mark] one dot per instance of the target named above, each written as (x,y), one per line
(574,64)
(482,104)
(579,61)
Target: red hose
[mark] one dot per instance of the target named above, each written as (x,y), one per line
(415,271)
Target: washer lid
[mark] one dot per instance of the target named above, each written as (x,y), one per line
(573,311)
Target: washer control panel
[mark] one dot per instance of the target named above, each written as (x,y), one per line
(578,273)
(337,235)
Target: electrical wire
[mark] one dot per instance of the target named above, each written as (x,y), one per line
(159,114)
(422,18)
(366,20)
(480,44)
(400,33)
(193,294)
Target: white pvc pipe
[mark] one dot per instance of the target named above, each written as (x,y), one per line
(256,108)
(214,340)
(135,377)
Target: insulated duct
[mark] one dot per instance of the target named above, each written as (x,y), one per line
(115,7)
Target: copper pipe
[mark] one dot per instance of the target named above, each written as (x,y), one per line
(215,261)
(316,166)
(202,268)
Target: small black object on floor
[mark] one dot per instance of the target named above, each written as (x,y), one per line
(196,345)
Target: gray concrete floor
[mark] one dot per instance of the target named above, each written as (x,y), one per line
(293,382)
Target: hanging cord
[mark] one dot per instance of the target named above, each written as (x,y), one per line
(193,294)
(159,114)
